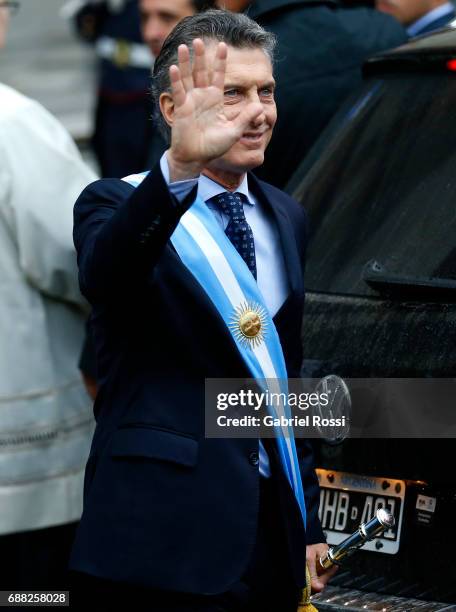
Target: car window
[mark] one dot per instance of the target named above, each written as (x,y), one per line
(383,191)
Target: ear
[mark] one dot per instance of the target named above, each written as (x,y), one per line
(167,107)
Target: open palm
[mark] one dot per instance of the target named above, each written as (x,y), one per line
(201,131)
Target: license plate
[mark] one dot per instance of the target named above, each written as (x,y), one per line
(346,500)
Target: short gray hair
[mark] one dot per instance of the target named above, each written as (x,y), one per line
(235,29)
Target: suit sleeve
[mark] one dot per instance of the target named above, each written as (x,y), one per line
(120,232)
(314,532)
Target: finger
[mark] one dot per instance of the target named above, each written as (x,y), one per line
(200,78)
(177,87)
(316,584)
(218,74)
(324,578)
(185,67)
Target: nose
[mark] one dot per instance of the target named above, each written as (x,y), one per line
(152,31)
(261,118)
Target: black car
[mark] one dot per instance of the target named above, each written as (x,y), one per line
(380,190)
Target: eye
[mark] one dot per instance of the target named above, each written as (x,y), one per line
(267,92)
(168,18)
(231,93)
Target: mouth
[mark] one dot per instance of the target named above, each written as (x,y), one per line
(252,138)
(155,47)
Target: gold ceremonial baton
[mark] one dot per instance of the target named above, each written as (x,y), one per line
(365,532)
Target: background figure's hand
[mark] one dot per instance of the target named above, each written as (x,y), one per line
(319,577)
(201,132)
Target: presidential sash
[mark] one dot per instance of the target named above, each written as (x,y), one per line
(211,258)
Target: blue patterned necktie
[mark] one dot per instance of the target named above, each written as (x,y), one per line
(238,230)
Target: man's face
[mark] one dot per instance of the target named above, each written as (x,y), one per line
(248,79)
(4,20)
(159,17)
(407,11)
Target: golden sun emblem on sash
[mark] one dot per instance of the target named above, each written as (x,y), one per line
(248,324)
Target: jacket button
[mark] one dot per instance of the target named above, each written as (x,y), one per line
(254,459)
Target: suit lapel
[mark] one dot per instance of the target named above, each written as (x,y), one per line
(286,232)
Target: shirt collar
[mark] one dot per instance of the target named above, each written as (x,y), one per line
(207,188)
(424,21)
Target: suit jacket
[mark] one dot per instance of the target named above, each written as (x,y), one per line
(163,506)
(321,48)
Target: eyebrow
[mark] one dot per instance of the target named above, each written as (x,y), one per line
(271,84)
(163,13)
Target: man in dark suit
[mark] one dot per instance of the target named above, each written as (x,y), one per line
(172,518)
(419,16)
(321,48)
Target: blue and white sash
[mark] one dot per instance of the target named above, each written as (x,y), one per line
(209,255)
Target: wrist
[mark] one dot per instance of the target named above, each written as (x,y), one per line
(180,170)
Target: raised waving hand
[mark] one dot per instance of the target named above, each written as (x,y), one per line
(200,131)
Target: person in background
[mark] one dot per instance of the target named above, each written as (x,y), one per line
(419,16)
(328,43)
(122,116)
(159,17)
(46,420)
